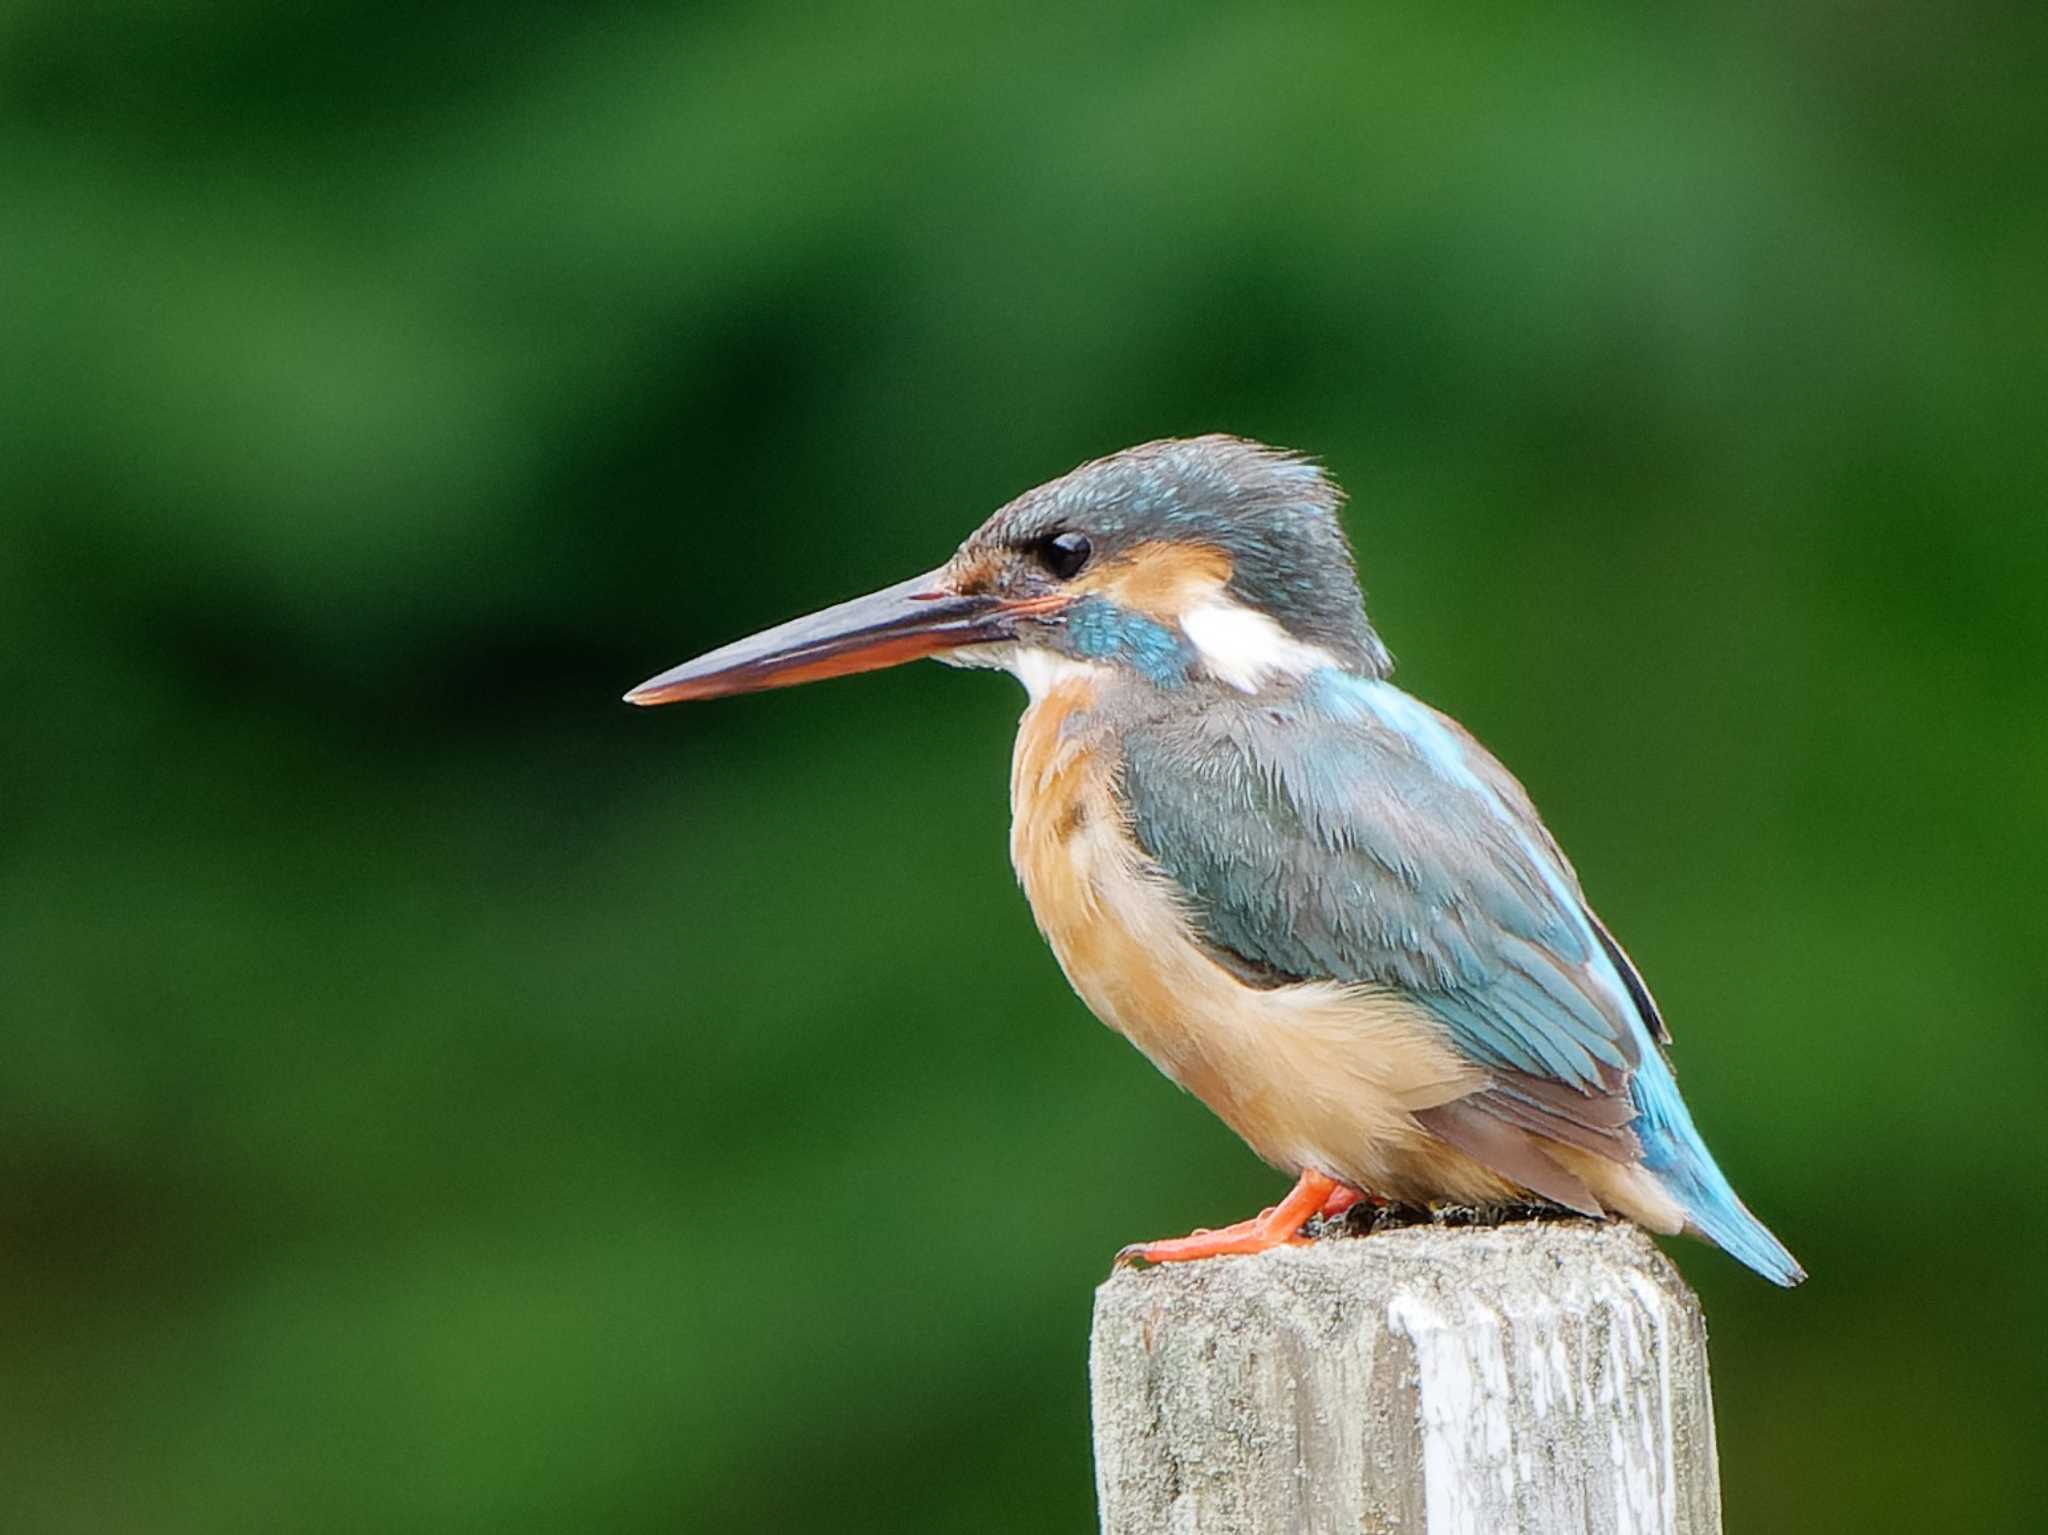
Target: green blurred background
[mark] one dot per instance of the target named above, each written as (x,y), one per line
(439,1097)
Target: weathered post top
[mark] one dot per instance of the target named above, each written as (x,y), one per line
(1538,1377)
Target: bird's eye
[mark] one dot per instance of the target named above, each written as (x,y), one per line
(1065,554)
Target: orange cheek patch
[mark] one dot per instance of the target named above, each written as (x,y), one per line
(1162,581)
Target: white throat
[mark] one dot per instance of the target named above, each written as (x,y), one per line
(1039,669)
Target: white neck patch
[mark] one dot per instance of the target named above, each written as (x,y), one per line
(1244,648)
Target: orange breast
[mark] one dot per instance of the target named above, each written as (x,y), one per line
(1061,807)
(1083,877)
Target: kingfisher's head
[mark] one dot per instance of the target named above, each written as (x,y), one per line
(1205,558)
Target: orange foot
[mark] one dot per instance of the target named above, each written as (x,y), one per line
(1279,1226)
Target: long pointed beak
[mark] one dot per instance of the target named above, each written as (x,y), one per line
(906,622)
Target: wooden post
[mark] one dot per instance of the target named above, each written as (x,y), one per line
(1538,1378)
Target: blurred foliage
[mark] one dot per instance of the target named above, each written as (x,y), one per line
(439,1097)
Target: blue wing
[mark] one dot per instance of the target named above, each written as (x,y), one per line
(1348,832)
(1352,834)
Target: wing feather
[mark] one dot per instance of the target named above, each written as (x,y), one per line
(1352,834)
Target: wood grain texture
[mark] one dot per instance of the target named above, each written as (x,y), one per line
(1538,1377)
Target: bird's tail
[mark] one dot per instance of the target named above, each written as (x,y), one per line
(1675,1155)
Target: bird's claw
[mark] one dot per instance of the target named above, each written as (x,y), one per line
(1314,1196)
(1184,1249)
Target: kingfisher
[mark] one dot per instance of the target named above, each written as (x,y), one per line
(1310,899)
